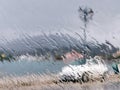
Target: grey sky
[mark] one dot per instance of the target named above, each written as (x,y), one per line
(30,16)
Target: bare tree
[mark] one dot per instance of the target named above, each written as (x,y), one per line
(86,15)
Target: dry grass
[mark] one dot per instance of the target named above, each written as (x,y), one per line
(26,80)
(45,81)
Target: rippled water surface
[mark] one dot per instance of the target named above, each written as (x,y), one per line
(32,67)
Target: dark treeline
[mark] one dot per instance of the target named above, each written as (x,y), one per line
(56,44)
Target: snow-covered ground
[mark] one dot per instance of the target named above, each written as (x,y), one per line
(95,67)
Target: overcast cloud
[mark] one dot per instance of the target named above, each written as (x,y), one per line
(19,16)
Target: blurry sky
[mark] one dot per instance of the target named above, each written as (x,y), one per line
(33,16)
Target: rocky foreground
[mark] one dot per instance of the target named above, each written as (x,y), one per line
(51,82)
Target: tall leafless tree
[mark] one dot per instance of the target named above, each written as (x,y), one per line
(86,15)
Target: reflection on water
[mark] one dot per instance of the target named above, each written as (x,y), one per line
(24,67)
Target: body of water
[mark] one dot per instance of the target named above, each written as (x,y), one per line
(22,67)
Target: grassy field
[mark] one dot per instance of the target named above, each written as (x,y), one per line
(48,82)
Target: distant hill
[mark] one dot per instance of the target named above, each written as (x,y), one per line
(56,44)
